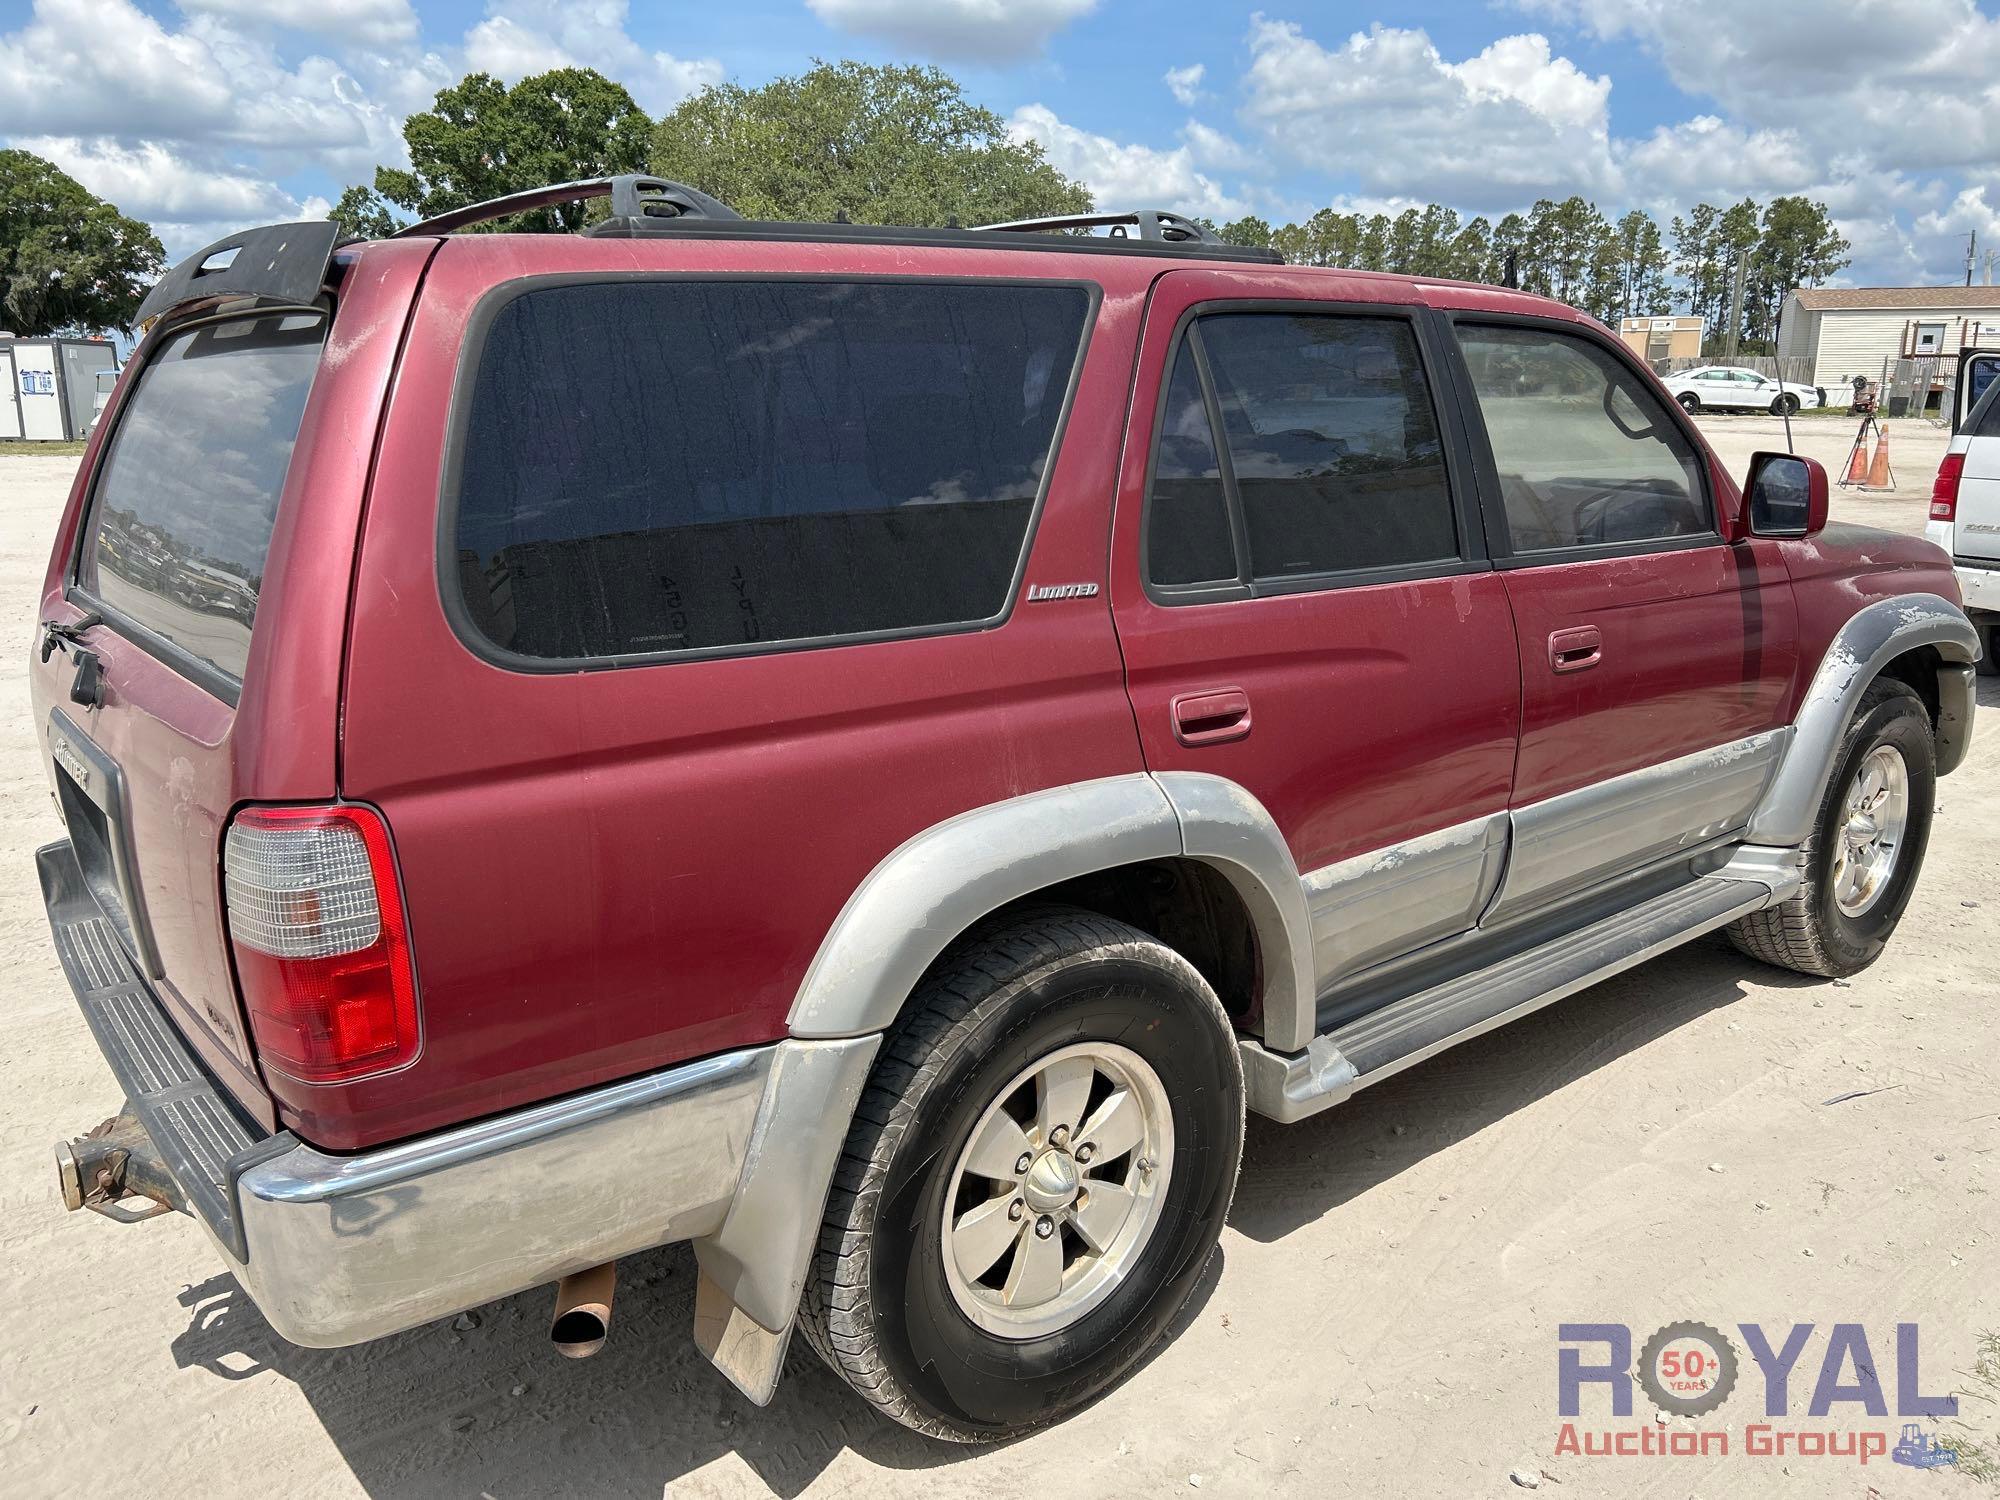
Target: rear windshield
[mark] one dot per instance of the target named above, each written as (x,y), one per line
(188,492)
(673,466)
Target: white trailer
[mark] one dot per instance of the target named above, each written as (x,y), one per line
(51,386)
(10,395)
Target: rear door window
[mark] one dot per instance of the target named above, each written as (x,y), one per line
(1584,455)
(186,495)
(658,467)
(1331,464)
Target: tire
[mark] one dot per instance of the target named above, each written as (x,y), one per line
(1785,405)
(1989,645)
(1812,933)
(886,1303)
(1690,402)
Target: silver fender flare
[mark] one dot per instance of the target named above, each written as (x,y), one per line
(1862,647)
(903,915)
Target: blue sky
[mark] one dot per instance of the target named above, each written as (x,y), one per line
(203,115)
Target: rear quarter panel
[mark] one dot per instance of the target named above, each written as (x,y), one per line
(190,758)
(612,871)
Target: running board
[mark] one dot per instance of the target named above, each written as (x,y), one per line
(1399,1035)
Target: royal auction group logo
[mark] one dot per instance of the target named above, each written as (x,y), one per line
(1689,1370)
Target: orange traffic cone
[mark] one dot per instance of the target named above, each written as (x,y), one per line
(1857,462)
(1878,471)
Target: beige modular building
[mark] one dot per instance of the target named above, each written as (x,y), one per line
(1850,331)
(1655,339)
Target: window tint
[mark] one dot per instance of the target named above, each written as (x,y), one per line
(1187,525)
(1983,419)
(1332,442)
(684,465)
(187,494)
(1586,456)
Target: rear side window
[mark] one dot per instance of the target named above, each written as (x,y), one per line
(1332,461)
(187,493)
(1585,456)
(672,466)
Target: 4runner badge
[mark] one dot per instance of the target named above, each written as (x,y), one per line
(1039,591)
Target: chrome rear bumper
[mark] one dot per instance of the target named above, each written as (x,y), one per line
(346,1248)
(339,1249)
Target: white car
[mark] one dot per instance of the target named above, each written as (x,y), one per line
(1965,502)
(1732,388)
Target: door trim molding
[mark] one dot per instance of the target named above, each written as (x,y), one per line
(1390,901)
(1574,840)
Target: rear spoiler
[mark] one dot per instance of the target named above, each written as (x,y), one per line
(278,263)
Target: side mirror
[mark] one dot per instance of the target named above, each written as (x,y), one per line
(1785,495)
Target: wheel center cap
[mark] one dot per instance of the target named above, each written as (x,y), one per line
(1051,1182)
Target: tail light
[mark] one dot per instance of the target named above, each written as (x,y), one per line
(1944,489)
(322,947)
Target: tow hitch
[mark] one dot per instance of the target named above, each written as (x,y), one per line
(115,1162)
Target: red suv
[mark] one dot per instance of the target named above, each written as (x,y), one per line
(866,749)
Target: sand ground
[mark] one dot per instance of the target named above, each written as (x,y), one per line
(1381,1318)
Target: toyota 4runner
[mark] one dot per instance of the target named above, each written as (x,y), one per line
(866,749)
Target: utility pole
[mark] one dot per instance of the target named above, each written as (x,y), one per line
(1971,254)
(1735,307)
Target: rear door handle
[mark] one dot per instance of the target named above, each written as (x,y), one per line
(1211,718)
(1574,650)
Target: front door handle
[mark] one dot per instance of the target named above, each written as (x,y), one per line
(1211,718)
(1574,650)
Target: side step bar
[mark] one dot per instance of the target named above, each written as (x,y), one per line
(1400,1035)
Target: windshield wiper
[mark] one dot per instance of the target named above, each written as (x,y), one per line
(66,634)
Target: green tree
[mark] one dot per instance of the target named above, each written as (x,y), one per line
(1471,251)
(69,261)
(1249,231)
(483,140)
(1642,267)
(1798,247)
(1325,239)
(361,211)
(1371,250)
(1562,242)
(883,145)
(1696,259)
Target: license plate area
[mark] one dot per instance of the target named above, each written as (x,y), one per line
(91,790)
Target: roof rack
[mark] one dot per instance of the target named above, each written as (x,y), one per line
(1151,223)
(642,205)
(634,200)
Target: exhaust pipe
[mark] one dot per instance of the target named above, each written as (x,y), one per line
(582,1318)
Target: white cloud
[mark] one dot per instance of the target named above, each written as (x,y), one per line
(378,23)
(523,37)
(1912,84)
(1185,83)
(1211,148)
(962,30)
(57,74)
(1123,176)
(1709,159)
(148,181)
(1513,121)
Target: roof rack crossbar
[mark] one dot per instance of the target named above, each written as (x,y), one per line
(1151,224)
(634,197)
